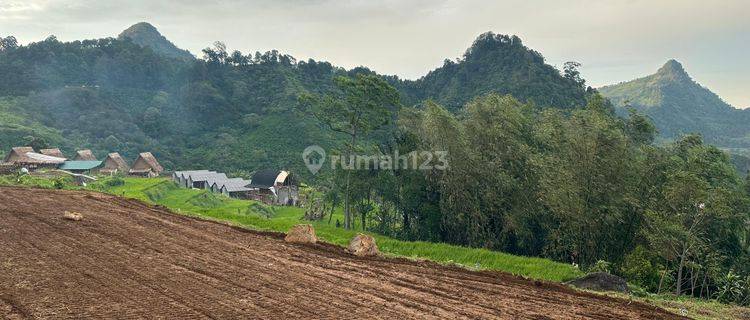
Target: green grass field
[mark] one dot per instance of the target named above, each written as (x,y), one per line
(254,215)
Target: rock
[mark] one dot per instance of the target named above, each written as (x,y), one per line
(363,246)
(301,233)
(74,216)
(600,281)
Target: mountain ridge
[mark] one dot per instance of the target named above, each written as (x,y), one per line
(679,105)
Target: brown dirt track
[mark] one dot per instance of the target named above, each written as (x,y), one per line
(127,259)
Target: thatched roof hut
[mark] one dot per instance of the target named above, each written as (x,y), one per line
(84,155)
(146,165)
(25,156)
(114,163)
(54,152)
(18,154)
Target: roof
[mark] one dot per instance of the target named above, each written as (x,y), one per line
(205,176)
(55,152)
(217,177)
(80,165)
(20,151)
(119,161)
(235,185)
(150,161)
(281,177)
(33,157)
(264,179)
(188,172)
(84,155)
(232,181)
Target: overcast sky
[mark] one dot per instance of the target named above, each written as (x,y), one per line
(614,40)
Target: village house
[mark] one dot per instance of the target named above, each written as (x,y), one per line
(146,166)
(181,177)
(82,166)
(236,190)
(84,155)
(234,187)
(213,179)
(25,157)
(54,152)
(113,164)
(198,179)
(274,187)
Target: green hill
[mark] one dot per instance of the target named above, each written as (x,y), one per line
(146,35)
(500,64)
(229,111)
(678,105)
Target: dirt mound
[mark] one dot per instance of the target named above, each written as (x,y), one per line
(75,216)
(600,281)
(301,233)
(135,261)
(363,246)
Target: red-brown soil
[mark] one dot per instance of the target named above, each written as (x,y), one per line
(126,259)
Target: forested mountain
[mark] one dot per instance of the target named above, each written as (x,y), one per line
(232,111)
(501,64)
(146,35)
(678,105)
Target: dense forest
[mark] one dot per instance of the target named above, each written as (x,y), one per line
(539,164)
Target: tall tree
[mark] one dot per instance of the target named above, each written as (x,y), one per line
(355,108)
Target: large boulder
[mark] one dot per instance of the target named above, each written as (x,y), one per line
(600,281)
(301,233)
(363,246)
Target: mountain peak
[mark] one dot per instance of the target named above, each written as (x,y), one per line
(145,34)
(141,27)
(673,69)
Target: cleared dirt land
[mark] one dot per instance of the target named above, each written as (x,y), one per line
(127,259)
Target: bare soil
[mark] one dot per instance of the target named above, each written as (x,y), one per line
(127,260)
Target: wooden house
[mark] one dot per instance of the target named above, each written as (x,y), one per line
(17,154)
(54,152)
(146,166)
(25,157)
(84,155)
(113,164)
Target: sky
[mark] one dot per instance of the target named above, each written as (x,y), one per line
(614,40)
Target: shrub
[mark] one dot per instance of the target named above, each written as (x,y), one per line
(639,269)
(601,266)
(115,182)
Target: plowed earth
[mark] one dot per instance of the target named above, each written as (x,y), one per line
(126,259)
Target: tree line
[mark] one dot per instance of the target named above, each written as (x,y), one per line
(582,186)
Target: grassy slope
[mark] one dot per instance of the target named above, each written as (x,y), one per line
(14,127)
(246,213)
